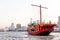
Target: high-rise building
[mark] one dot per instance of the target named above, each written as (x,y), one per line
(57,27)
(18,25)
(12,27)
(58,21)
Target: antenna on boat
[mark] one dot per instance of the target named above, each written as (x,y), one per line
(40,11)
(31,20)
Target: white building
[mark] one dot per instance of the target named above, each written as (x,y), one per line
(58,21)
(12,27)
(57,27)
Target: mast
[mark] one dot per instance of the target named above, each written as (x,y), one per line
(40,11)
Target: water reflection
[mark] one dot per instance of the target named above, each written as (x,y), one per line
(50,37)
(25,36)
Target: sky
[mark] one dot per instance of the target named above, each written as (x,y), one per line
(20,11)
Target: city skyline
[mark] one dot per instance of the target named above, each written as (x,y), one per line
(20,11)
(13,28)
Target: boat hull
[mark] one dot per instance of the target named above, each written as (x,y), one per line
(41,30)
(45,33)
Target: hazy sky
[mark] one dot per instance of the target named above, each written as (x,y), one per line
(20,11)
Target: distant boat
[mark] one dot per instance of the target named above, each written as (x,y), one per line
(57,29)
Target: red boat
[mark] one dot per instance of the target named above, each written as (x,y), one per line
(42,28)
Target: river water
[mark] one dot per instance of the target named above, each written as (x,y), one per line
(25,36)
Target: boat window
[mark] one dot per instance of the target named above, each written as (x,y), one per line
(43,27)
(32,30)
(50,27)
